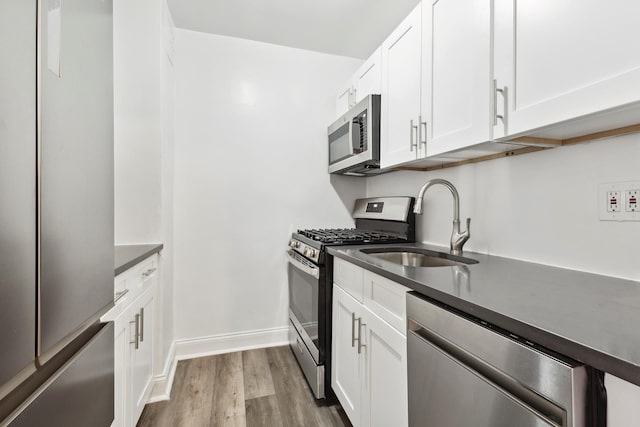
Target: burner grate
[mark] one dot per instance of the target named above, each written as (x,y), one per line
(349,235)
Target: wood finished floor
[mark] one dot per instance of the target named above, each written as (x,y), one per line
(263,387)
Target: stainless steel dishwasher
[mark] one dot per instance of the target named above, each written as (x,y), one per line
(466,373)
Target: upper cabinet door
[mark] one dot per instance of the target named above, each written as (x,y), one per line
(560,60)
(368,77)
(401,91)
(458,81)
(17,187)
(344,99)
(365,81)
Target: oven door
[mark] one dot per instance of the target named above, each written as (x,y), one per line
(305,283)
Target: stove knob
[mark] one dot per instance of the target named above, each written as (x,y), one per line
(312,253)
(305,252)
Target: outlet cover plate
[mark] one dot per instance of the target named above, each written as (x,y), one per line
(622,213)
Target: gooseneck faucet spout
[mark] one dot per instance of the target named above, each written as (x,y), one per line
(458,238)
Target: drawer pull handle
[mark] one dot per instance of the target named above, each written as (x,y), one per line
(149,272)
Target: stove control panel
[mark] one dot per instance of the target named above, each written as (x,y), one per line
(309,252)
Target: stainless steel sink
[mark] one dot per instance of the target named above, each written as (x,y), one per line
(410,257)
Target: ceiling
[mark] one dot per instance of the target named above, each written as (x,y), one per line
(341,27)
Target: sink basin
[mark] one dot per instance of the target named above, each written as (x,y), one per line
(410,257)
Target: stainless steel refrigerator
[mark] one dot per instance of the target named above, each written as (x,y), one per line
(56,212)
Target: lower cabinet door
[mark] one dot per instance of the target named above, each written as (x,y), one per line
(345,360)
(141,358)
(384,382)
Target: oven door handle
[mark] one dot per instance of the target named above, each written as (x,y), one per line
(311,271)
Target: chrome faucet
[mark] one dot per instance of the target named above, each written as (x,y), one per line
(458,239)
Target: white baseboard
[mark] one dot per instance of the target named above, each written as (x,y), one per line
(228,343)
(162,383)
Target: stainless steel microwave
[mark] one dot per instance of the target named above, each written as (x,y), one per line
(354,140)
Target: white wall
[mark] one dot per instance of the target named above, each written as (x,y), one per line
(250,168)
(144,93)
(167,167)
(137,120)
(540,207)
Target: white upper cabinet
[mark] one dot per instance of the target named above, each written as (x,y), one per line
(401,112)
(560,60)
(365,81)
(458,83)
(344,98)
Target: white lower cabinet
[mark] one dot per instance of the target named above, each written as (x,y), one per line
(623,402)
(384,383)
(141,358)
(346,363)
(135,327)
(369,363)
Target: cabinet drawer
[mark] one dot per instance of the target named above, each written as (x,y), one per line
(133,278)
(349,277)
(387,299)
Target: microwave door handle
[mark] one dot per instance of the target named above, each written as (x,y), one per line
(355,136)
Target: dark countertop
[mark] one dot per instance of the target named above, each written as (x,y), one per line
(126,256)
(591,318)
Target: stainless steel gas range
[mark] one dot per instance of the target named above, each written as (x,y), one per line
(378,221)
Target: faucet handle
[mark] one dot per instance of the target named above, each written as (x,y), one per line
(459,238)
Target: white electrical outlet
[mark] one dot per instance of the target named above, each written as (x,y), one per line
(613,201)
(619,201)
(631,200)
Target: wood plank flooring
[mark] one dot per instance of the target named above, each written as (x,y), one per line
(254,388)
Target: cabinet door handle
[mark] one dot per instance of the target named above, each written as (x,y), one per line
(353,329)
(411,142)
(496,89)
(141,324)
(421,133)
(136,341)
(355,96)
(360,325)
